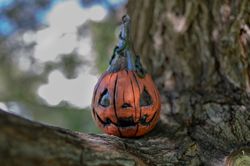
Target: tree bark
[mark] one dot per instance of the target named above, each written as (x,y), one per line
(198,53)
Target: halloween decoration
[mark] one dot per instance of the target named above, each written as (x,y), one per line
(125,102)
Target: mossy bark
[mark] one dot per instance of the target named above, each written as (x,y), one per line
(198,53)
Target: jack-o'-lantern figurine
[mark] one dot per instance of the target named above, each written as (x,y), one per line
(125,102)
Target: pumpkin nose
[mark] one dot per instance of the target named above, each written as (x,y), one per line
(126,105)
(126,122)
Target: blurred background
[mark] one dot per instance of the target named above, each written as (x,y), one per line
(51,55)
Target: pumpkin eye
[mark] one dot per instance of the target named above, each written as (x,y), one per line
(145,99)
(104,99)
(126,105)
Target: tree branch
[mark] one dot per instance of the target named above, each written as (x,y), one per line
(213,126)
(23,142)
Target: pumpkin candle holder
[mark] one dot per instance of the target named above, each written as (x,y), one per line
(126,102)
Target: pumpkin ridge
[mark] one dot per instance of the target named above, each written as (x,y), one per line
(157,96)
(97,85)
(96,88)
(135,108)
(133,97)
(110,76)
(94,113)
(114,102)
(138,88)
(123,97)
(137,127)
(137,83)
(152,86)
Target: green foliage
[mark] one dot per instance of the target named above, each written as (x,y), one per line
(66,117)
(103,37)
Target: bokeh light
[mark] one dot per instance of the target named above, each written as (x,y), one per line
(53,53)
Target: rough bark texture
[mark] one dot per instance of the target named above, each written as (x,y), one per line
(198,54)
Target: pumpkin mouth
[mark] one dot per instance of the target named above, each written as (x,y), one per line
(127,122)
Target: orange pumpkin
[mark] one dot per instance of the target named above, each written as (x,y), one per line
(125,102)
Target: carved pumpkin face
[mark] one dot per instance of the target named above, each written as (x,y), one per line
(126,105)
(126,102)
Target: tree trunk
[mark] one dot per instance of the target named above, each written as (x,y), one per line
(197,52)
